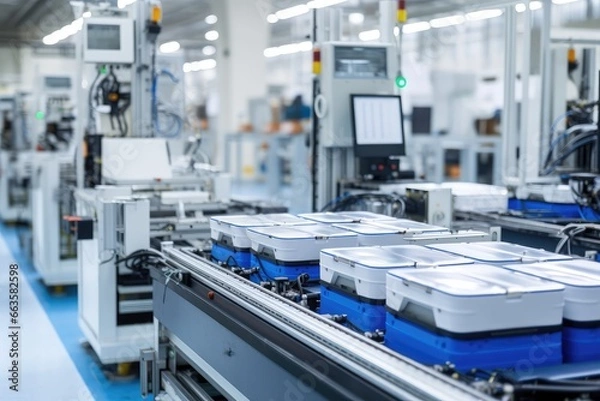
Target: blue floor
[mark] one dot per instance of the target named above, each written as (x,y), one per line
(62,312)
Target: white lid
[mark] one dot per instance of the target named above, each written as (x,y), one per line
(328,218)
(366,229)
(572,273)
(524,252)
(479,253)
(360,216)
(243,220)
(403,226)
(476,280)
(423,256)
(374,257)
(315,231)
(285,219)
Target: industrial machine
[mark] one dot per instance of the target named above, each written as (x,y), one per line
(359,127)
(394,307)
(15,160)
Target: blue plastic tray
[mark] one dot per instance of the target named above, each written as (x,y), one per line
(362,315)
(521,353)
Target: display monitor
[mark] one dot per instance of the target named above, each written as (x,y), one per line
(421,120)
(108,40)
(377,122)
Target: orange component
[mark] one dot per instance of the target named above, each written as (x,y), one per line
(156,14)
(572,55)
(211,295)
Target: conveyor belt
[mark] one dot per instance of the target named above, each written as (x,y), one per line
(397,376)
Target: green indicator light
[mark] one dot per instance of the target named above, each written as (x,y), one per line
(40,115)
(104,70)
(401,82)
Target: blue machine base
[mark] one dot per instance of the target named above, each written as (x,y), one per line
(270,270)
(539,210)
(231,257)
(521,353)
(581,345)
(362,315)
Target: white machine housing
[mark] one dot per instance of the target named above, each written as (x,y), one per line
(581,279)
(364,269)
(437,202)
(475,298)
(299,243)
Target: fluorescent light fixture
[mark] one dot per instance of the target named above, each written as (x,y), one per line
(202,65)
(484,14)
(447,21)
(292,11)
(520,8)
(416,27)
(367,36)
(87,14)
(209,50)
(356,18)
(211,19)
(291,48)
(535,5)
(63,33)
(169,47)
(125,3)
(323,3)
(563,1)
(272,18)
(211,35)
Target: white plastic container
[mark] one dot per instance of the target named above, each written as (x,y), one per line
(299,243)
(328,218)
(499,252)
(360,270)
(233,229)
(480,298)
(448,238)
(581,279)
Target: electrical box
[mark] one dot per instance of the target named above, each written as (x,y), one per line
(433,204)
(351,69)
(126,227)
(108,40)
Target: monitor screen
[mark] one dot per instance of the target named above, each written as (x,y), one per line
(421,120)
(104,37)
(378,125)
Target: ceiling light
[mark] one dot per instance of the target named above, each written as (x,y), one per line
(416,27)
(209,50)
(484,14)
(211,35)
(292,11)
(520,8)
(367,36)
(211,19)
(202,65)
(272,18)
(87,14)
(323,3)
(447,21)
(271,52)
(169,47)
(356,18)
(563,1)
(535,5)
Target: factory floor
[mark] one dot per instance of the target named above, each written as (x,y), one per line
(53,362)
